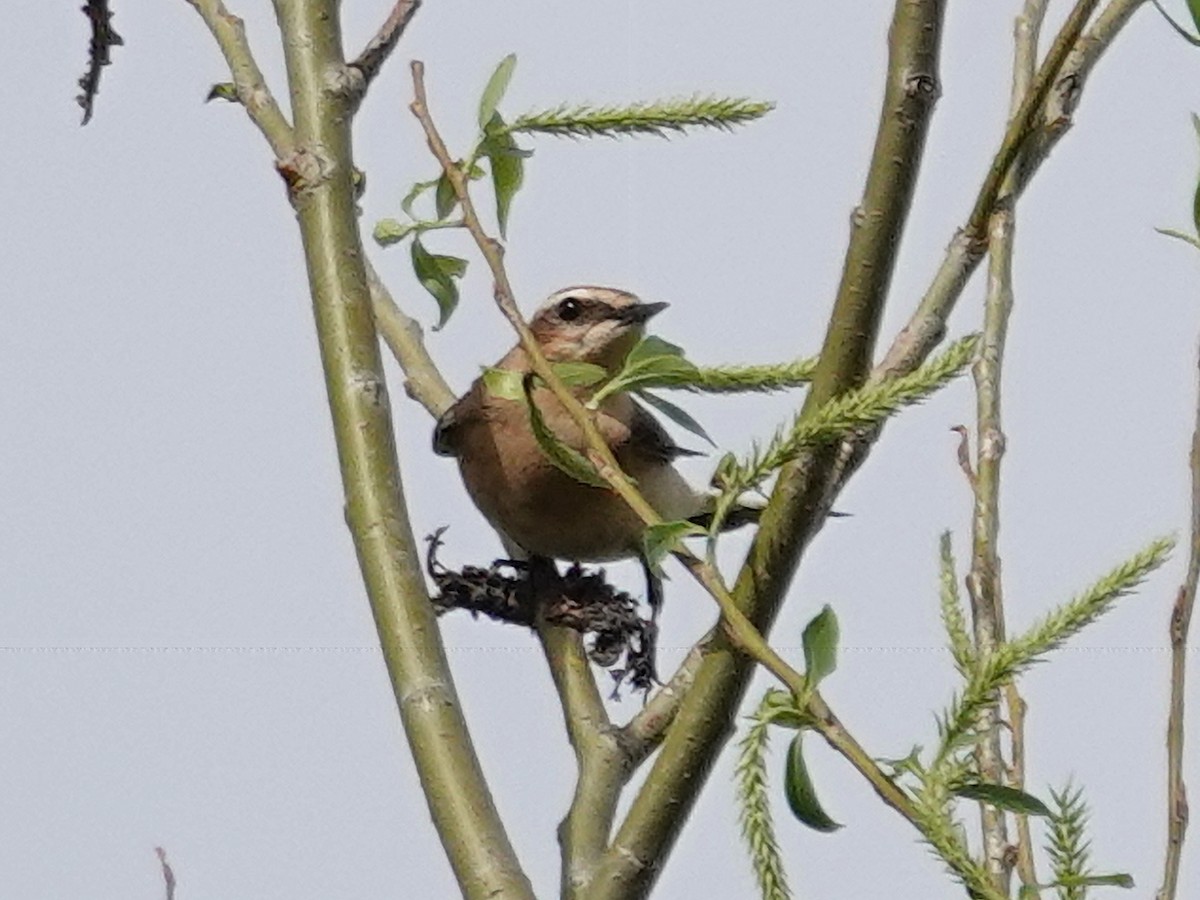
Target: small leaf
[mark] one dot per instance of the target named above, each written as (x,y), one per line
(567,459)
(676,414)
(779,708)
(413,193)
(658,541)
(437,275)
(508,171)
(820,646)
(224,90)
(493,93)
(391,231)
(801,795)
(1180,235)
(579,374)
(444,198)
(651,347)
(504,383)
(1003,797)
(1194,9)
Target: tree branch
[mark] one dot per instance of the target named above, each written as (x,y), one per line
(423,380)
(248,81)
(704,721)
(1181,620)
(984,583)
(370,61)
(1033,124)
(319,176)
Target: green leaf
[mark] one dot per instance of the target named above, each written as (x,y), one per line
(1180,235)
(437,275)
(506,161)
(413,193)
(658,541)
(504,383)
(801,795)
(1194,9)
(778,707)
(493,93)
(820,646)
(224,90)
(1003,797)
(567,459)
(391,231)
(676,414)
(579,374)
(444,198)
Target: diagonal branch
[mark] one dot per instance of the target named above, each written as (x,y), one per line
(370,61)
(402,333)
(703,723)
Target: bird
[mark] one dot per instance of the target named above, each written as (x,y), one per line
(522,494)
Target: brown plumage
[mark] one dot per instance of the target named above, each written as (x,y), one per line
(520,492)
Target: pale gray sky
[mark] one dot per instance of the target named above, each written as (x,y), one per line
(187,653)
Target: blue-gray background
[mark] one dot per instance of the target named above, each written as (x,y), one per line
(187,654)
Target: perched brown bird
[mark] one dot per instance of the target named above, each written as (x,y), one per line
(522,493)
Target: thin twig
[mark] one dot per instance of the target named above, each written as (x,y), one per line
(1181,620)
(168,873)
(252,91)
(369,62)
(1026,35)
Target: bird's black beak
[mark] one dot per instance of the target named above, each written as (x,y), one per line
(639,313)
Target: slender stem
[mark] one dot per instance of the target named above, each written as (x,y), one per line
(252,91)
(998,309)
(319,175)
(984,583)
(704,721)
(1181,620)
(983,580)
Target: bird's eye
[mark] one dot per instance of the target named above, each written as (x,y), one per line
(570,309)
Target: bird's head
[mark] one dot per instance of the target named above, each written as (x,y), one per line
(597,325)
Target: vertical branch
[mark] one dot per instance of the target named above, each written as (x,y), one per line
(319,177)
(984,580)
(1181,620)
(703,723)
(603,762)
